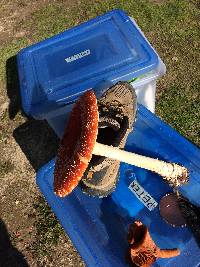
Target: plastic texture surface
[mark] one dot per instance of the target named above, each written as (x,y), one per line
(144,86)
(56,71)
(98,227)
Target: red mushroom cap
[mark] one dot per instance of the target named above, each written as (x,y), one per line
(76,145)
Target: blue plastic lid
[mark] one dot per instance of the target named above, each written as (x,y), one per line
(56,71)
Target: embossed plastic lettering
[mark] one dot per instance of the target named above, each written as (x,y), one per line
(142,195)
(77,56)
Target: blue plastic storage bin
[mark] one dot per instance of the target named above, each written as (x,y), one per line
(53,74)
(95,54)
(98,227)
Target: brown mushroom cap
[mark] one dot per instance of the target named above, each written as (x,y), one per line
(143,251)
(76,145)
(170,210)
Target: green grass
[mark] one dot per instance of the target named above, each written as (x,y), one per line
(48,230)
(173,29)
(181,109)
(4,116)
(7,50)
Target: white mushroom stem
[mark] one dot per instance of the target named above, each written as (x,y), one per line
(173,173)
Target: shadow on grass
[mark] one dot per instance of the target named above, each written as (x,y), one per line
(36,139)
(9,255)
(38,142)
(13,87)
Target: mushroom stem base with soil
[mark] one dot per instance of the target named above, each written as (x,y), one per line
(172,172)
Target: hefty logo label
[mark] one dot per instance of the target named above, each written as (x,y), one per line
(78,56)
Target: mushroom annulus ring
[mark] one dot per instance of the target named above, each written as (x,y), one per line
(79,143)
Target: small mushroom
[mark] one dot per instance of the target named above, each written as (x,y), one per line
(79,143)
(143,251)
